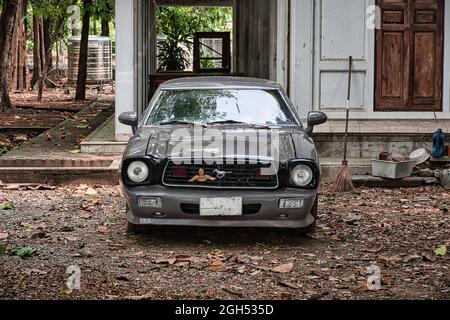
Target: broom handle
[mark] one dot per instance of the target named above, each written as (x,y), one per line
(348,108)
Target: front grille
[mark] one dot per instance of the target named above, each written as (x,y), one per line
(194,209)
(239,176)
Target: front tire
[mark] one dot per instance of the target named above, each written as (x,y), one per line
(137,228)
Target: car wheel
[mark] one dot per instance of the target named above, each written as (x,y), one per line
(137,228)
(311,228)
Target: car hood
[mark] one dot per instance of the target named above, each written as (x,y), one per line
(159,142)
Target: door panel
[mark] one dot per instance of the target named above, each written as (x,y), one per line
(409,56)
(342,33)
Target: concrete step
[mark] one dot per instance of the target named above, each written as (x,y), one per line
(101,175)
(101,141)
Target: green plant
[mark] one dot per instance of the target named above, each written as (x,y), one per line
(178,26)
(174,52)
(4,150)
(23,252)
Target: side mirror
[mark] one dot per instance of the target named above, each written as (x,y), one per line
(129,119)
(315,118)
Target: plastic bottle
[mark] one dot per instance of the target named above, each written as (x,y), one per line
(439,144)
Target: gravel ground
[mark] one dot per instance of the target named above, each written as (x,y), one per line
(397,231)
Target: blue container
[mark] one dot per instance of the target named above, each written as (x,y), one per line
(439,144)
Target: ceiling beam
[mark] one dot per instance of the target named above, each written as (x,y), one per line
(195,3)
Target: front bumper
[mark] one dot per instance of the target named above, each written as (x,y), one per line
(172,214)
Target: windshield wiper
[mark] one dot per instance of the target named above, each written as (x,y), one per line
(177,122)
(257,126)
(227,122)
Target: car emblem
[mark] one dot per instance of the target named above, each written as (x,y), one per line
(202,177)
(221,174)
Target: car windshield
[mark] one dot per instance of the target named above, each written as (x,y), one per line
(220,106)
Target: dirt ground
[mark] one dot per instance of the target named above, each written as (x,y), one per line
(395,230)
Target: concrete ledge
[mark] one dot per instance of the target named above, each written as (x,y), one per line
(374,182)
(331,167)
(62,176)
(55,163)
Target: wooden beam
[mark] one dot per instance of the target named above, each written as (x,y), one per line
(195,3)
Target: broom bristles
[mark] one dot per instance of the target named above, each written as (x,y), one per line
(343,182)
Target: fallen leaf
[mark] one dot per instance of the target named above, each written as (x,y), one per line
(123,278)
(75,151)
(441,251)
(81,137)
(72,239)
(411,258)
(308,291)
(284,296)
(216,266)
(288,284)
(88,208)
(210,294)
(8,205)
(21,138)
(284,268)
(148,296)
(375,249)
(84,126)
(4,236)
(66,290)
(184,258)
(49,136)
(90,192)
(361,288)
(102,229)
(170,261)
(86,216)
(388,260)
(67,229)
(30,226)
(234,290)
(429,256)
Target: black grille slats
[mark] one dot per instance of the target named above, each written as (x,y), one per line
(237,176)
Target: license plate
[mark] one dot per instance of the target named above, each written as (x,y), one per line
(211,207)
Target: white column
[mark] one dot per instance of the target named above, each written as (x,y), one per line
(282,32)
(124,64)
(302,40)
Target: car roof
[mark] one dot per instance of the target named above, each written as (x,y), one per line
(219,82)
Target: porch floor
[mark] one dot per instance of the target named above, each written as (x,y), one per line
(384,126)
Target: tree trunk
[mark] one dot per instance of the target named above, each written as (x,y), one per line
(19,77)
(37,56)
(7,22)
(48,40)
(105,28)
(82,64)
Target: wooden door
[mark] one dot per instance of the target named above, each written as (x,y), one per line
(409,55)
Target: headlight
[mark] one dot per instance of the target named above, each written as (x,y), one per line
(302,175)
(137,171)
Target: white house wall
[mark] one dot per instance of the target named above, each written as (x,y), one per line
(324,33)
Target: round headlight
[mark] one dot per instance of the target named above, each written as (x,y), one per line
(137,171)
(302,175)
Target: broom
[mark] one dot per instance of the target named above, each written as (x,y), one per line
(343,182)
